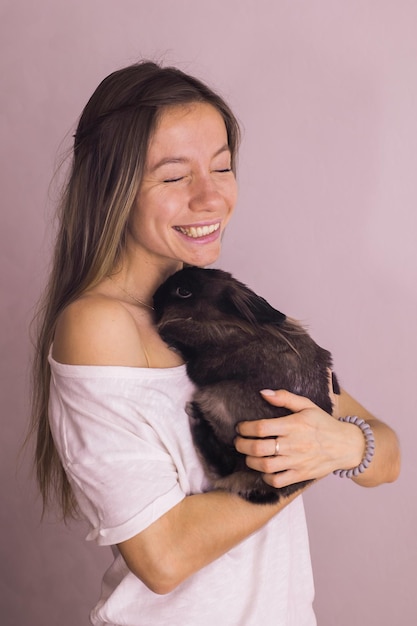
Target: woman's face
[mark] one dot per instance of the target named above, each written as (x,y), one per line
(188,191)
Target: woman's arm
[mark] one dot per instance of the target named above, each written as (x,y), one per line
(314,444)
(385,466)
(195,532)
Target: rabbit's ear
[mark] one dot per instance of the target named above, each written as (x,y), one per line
(250,307)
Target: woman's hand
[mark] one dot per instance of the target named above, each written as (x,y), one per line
(312,443)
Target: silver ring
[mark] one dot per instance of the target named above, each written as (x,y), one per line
(276,446)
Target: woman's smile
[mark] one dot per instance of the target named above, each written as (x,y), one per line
(200,233)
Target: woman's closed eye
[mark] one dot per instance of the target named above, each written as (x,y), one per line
(175,179)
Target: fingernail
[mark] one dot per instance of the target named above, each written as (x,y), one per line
(267,392)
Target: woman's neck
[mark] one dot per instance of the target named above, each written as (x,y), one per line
(143,277)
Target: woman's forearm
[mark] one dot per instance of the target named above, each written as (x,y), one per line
(195,532)
(385,465)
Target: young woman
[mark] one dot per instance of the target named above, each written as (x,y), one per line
(152,186)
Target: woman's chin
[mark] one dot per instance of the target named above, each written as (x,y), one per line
(203,259)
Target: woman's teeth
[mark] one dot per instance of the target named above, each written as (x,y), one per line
(198,231)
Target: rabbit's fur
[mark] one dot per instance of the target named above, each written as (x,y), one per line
(235,344)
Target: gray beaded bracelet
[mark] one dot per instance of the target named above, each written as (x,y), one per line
(369,448)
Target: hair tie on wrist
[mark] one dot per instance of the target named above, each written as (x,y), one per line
(369,447)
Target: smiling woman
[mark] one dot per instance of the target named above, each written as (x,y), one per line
(152,187)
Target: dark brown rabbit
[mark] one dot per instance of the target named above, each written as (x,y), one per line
(235,344)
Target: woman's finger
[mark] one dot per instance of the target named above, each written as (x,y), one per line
(286,399)
(274,427)
(266,446)
(264,428)
(268,464)
(283,479)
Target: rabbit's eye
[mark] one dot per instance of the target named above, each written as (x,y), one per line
(183,293)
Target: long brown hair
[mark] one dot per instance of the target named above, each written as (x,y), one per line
(110,147)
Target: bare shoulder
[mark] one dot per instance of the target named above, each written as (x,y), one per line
(97,330)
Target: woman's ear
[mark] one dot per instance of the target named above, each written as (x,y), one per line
(245,304)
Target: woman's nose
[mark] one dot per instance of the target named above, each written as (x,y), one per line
(205,195)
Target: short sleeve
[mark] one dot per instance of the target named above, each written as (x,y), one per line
(122,450)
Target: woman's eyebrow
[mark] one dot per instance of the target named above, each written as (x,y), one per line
(167,160)
(173,159)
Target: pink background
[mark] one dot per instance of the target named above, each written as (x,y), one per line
(325,229)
